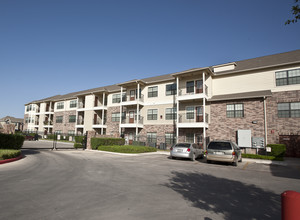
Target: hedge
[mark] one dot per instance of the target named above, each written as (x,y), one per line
(263,157)
(11,141)
(96,142)
(8,154)
(277,150)
(127,149)
(79,141)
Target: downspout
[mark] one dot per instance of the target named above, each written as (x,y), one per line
(121,110)
(265,120)
(137,112)
(177,108)
(204,113)
(103,100)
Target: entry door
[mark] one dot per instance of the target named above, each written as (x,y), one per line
(131,117)
(199,114)
(132,95)
(96,101)
(199,140)
(199,86)
(130,138)
(95,119)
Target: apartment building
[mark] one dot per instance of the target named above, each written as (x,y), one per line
(260,96)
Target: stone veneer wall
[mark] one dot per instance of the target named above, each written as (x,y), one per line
(65,126)
(112,126)
(25,127)
(281,126)
(221,127)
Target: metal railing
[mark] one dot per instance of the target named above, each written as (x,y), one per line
(129,98)
(128,120)
(183,91)
(192,118)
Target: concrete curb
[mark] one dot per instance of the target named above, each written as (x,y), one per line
(11,160)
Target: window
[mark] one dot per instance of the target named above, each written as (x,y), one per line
(59,119)
(73,104)
(171,113)
(71,133)
(171,89)
(289,110)
(72,118)
(235,111)
(170,138)
(190,113)
(115,116)
(60,105)
(151,137)
(288,77)
(189,137)
(116,98)
(190,87)
(58,132)
(152,91)
(152,114)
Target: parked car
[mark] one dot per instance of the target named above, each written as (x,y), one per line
(186,150)
(223,151)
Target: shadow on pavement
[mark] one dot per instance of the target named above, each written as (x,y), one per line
(232,199)
(292,170)
(29,152)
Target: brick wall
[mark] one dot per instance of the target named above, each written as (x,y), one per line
(65,126)
(281,126)
(221,127)
(112,127)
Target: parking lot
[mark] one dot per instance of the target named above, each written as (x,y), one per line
(77,184)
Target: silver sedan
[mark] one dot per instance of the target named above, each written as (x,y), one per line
(186,150)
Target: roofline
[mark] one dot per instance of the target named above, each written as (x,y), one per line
(192,70)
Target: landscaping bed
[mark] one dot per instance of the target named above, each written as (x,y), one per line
(9,154)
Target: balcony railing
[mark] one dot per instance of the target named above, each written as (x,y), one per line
(80,121)
(184,91)
(81,105)
(128,120)
(192,118)
(129,98)
(99,122)
(48,123)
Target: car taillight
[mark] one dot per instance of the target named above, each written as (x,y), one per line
(233,153)
(188,149)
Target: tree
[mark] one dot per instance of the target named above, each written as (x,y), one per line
(296,13)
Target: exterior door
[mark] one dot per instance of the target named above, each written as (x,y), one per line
(199,114)
(199,140)
(199,86)
(130,138)
(95,119)
(131,117)
(132,95)
(96,101)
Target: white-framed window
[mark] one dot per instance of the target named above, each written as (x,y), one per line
(151,137)
(152,114)
(73,103)
(288,110)
(152,91)
(235,110)
(288,77)
(60,105)
(171,113)
(171,89)
(190,112)
(59,119)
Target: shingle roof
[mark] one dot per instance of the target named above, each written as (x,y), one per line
(265,62)
(12,119)
(245,95)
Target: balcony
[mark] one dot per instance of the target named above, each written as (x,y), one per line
(192,93)
(132,122)
(48,124)
(81,106)
(98,123)
(132,100)
(190,120)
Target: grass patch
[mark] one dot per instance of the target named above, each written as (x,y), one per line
(8,154)
(127,149)
(263,157)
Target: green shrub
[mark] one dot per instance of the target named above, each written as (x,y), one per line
(11,141)
(277,150)
(50,136)
(8,154)
(96,142)
(127,149)
(78,145)
(263,157)
(79,139)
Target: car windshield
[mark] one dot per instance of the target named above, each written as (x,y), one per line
(183,145)
(219,146)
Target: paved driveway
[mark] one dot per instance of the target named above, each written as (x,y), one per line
(76,184)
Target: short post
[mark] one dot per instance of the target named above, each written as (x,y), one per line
(290,205)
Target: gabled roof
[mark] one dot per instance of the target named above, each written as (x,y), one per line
(292,57)
(12,119)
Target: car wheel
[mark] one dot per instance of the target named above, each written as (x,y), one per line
(234,163)
(241,160)
(208,161)
(193,157)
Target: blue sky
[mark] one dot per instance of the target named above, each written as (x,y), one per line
(50,47)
